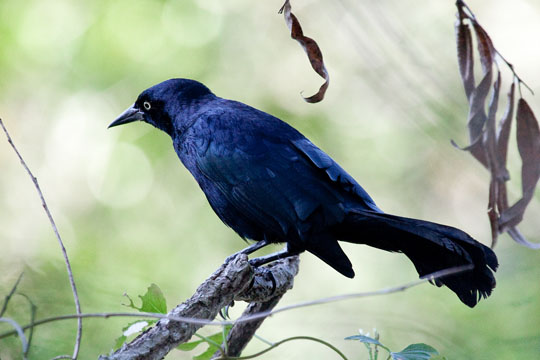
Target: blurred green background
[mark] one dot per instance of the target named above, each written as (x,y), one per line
(131,215)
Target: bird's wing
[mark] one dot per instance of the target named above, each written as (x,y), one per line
(276,177)
(334,172)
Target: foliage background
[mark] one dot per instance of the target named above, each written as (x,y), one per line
(131,215)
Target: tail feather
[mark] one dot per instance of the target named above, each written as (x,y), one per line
(430,246)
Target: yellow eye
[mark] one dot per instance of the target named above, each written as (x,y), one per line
(147,105)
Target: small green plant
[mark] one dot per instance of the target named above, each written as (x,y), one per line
(152,301)
(412,352)
(213,341)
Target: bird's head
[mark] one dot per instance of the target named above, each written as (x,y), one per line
(165,105)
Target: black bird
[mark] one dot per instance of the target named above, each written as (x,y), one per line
(270,184)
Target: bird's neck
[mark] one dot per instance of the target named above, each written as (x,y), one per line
(190,113)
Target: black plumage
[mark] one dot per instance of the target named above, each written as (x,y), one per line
(271,184)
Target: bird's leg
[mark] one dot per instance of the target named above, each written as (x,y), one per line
(286,252)
(259,261)
(250,249)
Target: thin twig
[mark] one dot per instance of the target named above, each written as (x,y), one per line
(241,333)
(260,338)
(516,76)
(140,315)
(207,339)
(19,331)
(8,296)
(388,290)
(384,291)
(33,309)
(284,341)
(55,229)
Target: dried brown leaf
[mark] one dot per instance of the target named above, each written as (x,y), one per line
(488,144)
(310,47)
(503,133)
(490,148)
(528,139)
(477,119)
(469,147)
(492,211)
(486,50)
(514,214)
(477,113)
(465,54)
(520,239)
(490,140)
(502,197)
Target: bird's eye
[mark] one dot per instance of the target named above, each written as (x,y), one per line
(147,105)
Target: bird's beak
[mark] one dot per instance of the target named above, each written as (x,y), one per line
(130,115)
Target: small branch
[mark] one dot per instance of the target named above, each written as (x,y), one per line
(385,291)
(264,298)
(55,229)
(20,332)
(33,310)
(273,346)
(234,280)
(140,315)
(11,293)
(242,332)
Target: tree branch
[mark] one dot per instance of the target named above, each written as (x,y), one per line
(234,280)
(60,242)
(242,332)
(263,300)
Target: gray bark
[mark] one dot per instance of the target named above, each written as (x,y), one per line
(234,280)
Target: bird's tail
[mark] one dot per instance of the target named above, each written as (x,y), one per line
(431,247)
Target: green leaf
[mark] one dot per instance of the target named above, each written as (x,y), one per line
(218,337)
(367,340)
(415,352)
(207,355)
(364,339)
(119,342)
(131,303)
(213,341)
(153,300)
(189,345)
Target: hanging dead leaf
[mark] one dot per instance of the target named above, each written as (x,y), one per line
(503,133)
(492,212)
(486,50)
(489,145)
(490,148)
(465,54)
(528,139)
(477,119)
(490,135)
(310,47)
(520,239)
